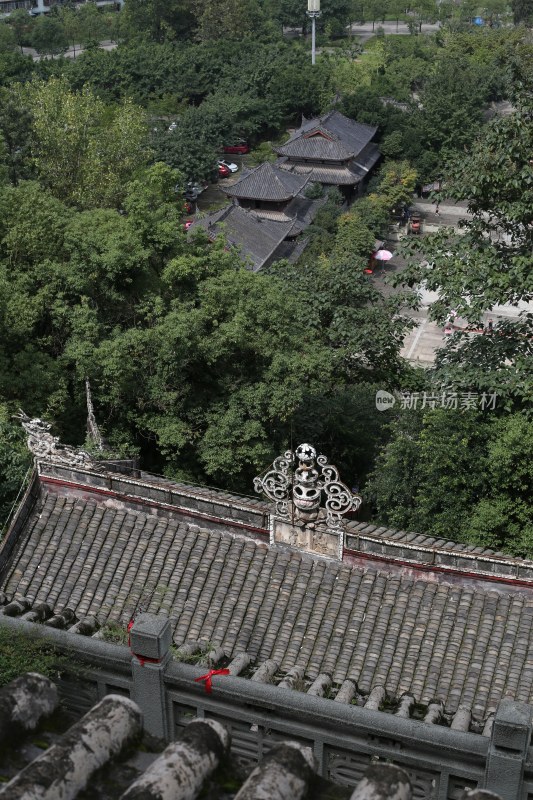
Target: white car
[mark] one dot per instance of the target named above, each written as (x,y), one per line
(228,164)
(172,126)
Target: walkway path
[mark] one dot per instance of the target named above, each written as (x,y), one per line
(72,52)
(366,30)
(421,344)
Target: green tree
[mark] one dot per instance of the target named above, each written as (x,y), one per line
(490,262)
(158,20)
(424,11)
(493,11)
(14,462)
(464,476)
(452,100)
(21,24)
(504,518)
(376,10)
(522,12)
(84,152)
(15,129)
(7,38)
(396,184)
(48,35)
(353,238)
(227,19)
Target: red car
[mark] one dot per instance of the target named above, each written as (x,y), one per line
(223,172)
(241,147)
(187,224)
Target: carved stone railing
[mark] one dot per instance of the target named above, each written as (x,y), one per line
(345,738)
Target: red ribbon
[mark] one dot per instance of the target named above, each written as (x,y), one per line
(145,660)
(130,626)
(207,678)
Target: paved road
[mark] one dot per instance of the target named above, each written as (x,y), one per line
(366,30)
(72,52)
(421,344)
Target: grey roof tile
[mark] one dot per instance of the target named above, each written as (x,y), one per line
(267,182)
(330,137)
(256,236)
(335,175)
(461,644)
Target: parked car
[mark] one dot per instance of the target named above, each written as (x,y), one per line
(240,146)
(187,224)
(193,190)
(172,126)
(223,172)
(228,164)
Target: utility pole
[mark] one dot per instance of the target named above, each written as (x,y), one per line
(313,11)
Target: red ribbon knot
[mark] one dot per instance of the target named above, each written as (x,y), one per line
(207,678)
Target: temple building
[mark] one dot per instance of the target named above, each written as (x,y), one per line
(335,149)
(356,640)
(271,207)
(269,211)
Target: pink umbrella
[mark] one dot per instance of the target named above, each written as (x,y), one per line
(383,255)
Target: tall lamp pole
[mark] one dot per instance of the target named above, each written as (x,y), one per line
(313,11)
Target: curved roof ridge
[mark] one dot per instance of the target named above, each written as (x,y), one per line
(267,182)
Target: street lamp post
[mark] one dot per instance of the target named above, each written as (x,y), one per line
(313,11)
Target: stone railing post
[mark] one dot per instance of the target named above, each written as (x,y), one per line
(150,638)
(509,743)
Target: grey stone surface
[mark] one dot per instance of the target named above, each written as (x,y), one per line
(283,774)
(24,702)
(151,636)
(337,731)
(375,698)
(510,741)
(383,782)
(266,671)
(65,768)
(181,770)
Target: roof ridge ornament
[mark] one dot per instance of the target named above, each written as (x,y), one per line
(299,480)
(43,445)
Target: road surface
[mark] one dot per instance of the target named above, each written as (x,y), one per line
(421,344)
(72,52)
(366,30)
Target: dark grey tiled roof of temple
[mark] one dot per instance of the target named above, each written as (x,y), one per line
(467,644)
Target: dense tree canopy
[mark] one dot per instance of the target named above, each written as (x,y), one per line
(490,262)
(460,476)
(205,369)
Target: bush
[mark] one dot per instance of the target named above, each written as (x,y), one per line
(114,632)
(313,191)
(21,653)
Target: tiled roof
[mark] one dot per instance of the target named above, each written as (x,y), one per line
(466,643)
(257,237)
(366,159)
(351,173)
(340,176)
(316,147)
(346,138)
(267,182)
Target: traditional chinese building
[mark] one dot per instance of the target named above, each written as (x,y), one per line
(333,150)
(257,236)
(331,621)
(268,213)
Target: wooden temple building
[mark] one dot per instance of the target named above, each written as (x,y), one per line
(270,211)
